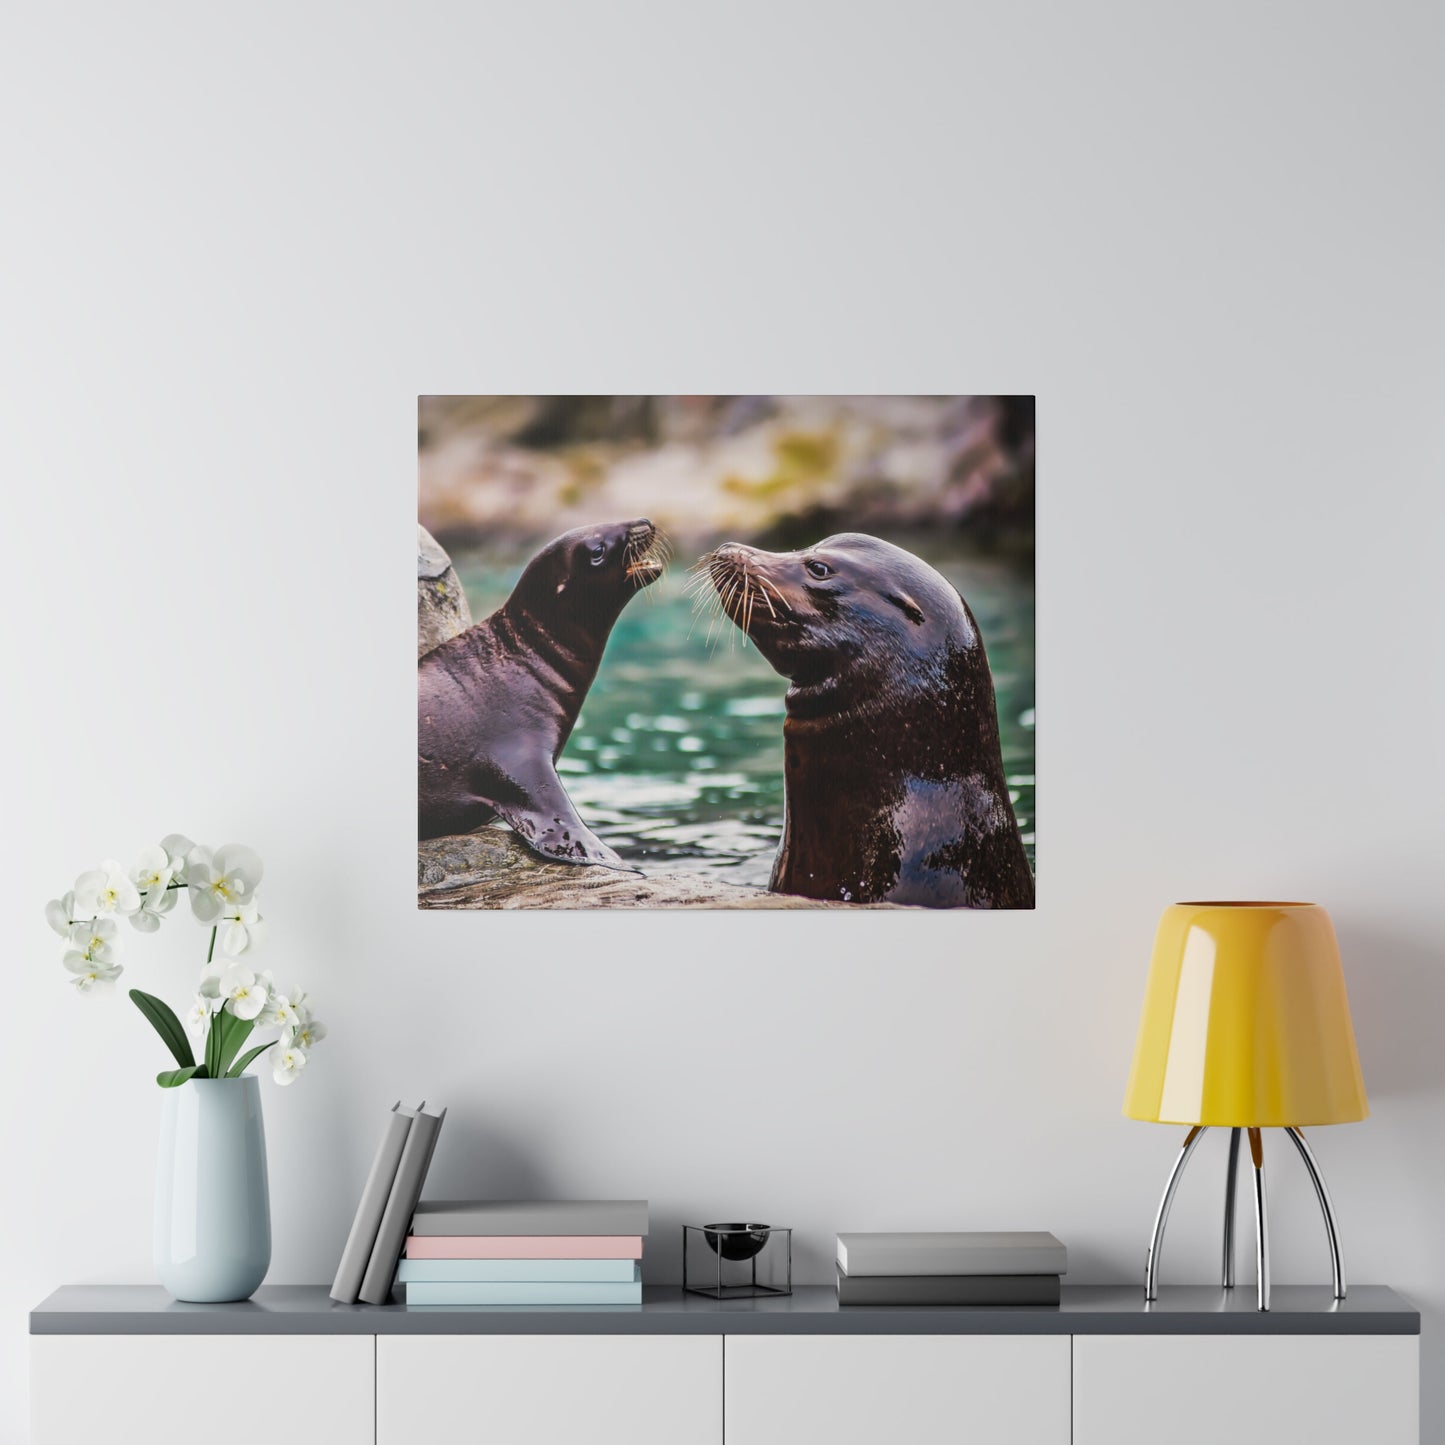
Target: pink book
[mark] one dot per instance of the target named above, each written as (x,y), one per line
(524,1246)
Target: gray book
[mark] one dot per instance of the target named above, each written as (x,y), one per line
(956,1252)
(948,1289)
(542,1217)
(421,1140)
(356,1254)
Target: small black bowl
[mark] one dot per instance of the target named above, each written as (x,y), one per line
(736,1241)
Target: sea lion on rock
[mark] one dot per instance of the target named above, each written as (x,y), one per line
(894,781)
(497,703)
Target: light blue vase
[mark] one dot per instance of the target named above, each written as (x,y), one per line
(213,1209)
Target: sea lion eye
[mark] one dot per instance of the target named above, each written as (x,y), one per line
(817,569)
(598,553)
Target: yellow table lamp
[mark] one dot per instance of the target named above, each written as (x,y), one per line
(1246,1026)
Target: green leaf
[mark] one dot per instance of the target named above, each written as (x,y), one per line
(166,1024)
(249,1058)
(172,1078)
(234,1032)
(213,1043)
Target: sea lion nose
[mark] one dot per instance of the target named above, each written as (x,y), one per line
(640,528)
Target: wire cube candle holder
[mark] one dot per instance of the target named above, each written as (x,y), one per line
(737,1261)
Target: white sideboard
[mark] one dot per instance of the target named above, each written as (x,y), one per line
(220,1389)
(922,1389)
(467,1389)
(1206,1389)
(128,1366)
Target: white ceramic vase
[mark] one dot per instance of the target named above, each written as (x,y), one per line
(213,1211)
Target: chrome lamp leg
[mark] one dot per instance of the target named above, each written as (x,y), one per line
(1230,1179)
(1156,1239)
(1332,1231)
(1261,1219)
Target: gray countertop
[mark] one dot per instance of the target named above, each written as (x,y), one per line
(1086,1310)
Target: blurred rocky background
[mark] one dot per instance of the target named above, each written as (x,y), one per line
(779,470)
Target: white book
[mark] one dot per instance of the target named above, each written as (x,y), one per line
(952,1252)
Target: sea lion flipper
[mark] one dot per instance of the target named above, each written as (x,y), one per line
(548,824)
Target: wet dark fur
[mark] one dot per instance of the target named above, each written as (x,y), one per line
(497,703)
(895,786)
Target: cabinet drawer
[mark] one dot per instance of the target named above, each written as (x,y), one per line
(897,1389)
(220,1389)
(549,1390)
(1247,1389)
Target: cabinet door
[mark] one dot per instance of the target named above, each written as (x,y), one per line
(897,1389)
(220,1389)
(1246,1389)
(548,1390)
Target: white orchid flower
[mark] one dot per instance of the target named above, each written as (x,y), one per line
(286,1063)
(89,973)
(95,939)
(243,930)
(278,1011)
(157,904)
(59,912)
(210,984)
(308,1034)
(105,890)
(301,1004)
(153,871)
(198,1018)
(244,993)
(178,848)
(215,883)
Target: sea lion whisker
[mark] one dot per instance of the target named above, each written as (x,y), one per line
(713,621)
(728,599)
(704,602)
(747,609)
(700,575)
(737,596)
(772,587)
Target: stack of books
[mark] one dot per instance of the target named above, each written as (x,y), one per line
(961,1268)
(489,1252)
(388,1201)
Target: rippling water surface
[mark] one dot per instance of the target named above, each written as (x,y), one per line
(677,759)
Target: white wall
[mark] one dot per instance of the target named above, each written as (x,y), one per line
(235,249)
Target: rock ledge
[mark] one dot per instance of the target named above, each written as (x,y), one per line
(491,869)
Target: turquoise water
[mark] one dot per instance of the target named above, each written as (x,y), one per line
(677,759)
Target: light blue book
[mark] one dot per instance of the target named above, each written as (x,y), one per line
(558,1292)
(519,1271)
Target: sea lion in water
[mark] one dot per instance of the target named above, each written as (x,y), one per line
(497,703)
(894,781)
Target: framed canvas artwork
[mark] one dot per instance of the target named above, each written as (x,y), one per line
(726,651)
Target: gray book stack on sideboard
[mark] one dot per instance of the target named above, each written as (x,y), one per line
(974,1267)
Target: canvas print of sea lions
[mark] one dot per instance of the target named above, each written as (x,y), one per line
(726,652)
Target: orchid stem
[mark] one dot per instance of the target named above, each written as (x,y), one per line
(211,951)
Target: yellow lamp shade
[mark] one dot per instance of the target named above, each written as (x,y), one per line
(1246,1023)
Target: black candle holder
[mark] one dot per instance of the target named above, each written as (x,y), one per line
(737,1261)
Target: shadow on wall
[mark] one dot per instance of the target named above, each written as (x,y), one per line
(476,1159)
(1397,999)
